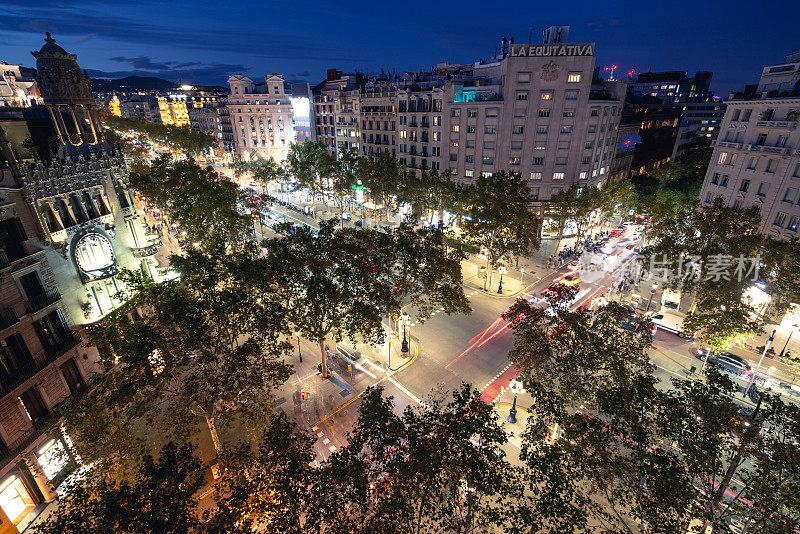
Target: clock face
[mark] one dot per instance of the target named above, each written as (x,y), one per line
(95,255)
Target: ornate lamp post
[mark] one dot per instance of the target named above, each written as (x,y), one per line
(517,388)
(502,270)
(405,320)
(300,354)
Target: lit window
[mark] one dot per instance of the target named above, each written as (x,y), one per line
(468,173)
(582,175)
(558,176)
(574,77)
(546,95)
(536,176)
(513,161)
(454,128)
(517,130)
(522,95)
(524,77)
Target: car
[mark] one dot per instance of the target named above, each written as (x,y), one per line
(731,364)
(570,280)
(669,322)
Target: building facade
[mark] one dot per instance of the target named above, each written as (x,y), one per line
(173,110)
(261,116)
(756,158)
(18,87)
(68,223)
(536,109)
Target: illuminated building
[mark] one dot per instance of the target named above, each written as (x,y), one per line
(536,109)
(114,107)
(756,158)
(262,116)
(173,110)
(67,225)
(18,89)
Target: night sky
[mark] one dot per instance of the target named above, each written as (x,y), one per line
(202,42)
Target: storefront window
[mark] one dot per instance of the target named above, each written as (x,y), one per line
(14,499)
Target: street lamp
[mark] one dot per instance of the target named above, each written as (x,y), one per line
(783,350)
(652,292)
(766,348)
(521,274)
(300,354)
(517,388)
(502,270)
(404,345)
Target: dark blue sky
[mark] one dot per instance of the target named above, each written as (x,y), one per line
(204,41)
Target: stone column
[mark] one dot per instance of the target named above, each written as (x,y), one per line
(45,486)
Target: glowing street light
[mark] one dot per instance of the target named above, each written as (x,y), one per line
(517,388)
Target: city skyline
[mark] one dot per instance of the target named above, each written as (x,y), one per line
(302,40)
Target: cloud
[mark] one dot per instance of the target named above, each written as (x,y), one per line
(84,19)
(190,72)
(303,74)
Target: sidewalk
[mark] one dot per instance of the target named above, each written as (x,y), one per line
(515,280)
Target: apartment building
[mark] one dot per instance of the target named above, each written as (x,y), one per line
(756,158)
(173,110)
(537,109)
(68,223)
(261,116)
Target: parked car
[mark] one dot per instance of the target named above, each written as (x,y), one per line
(669,322)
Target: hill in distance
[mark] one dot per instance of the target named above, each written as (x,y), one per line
(131,84)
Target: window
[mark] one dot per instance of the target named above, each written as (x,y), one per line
(488,145)
(456,112)
(571,95)
(736,114)
(516,145)
(539,147)
(470,128)
(561,161)
(436,136)
(723,157)
(523,77)
(490,129)
(574,77)
(536,176)
(761,139)
(570,113)
(762,189)
(468,173)
(544,112)
(538,161)
(404,134)
(737,205)
(745,186)
(793,223)
(541,129)
(546,95)
(517,130)
(522,95)
(746,114)
(491,112)
(453,157)
(513,161)
(558,176)
(751,164)
(453,128)
(583,175)
(34,404)
(471,113)
(768,114)
(520,112)
(563,145)
(487,174)
(733,158)
(709,197)
(534,193)
(469,159)
(595,112)
(470,143)
(772,164)
(453,143)
(796,173)
(437,120)
(715,179)
(586,160)
(790,195)
(488,160)
(566,129)
(780,220)
(589,145)
(724,182)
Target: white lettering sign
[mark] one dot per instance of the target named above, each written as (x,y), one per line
(546,50)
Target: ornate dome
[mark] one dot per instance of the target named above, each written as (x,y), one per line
(50,47)
(59,77)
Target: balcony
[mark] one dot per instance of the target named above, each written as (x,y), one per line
(8,318)
(40,302)
(785,125)
(19,376)
(144,252)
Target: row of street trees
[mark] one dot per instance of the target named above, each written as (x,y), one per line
(179,139)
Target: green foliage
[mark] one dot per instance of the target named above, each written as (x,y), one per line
(312,166)
(160,500)
(418,472)
(202,203)
(499,219)
(206,345)
(177,138)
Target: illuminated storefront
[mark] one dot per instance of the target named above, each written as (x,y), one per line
(15,498)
